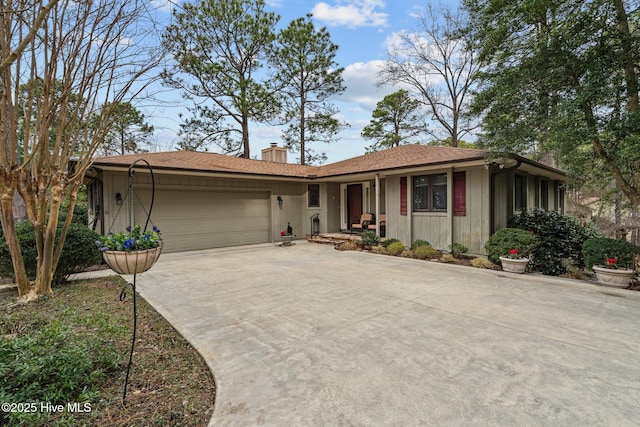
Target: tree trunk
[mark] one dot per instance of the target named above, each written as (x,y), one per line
(627,56)
(9,228)
(303,155)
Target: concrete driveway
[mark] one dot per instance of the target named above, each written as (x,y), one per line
(310,336)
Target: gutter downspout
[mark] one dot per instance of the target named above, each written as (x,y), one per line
(492,191)
(377,196)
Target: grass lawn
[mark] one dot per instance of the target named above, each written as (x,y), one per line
(72,349)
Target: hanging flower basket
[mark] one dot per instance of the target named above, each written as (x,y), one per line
(131,251)
(123,262)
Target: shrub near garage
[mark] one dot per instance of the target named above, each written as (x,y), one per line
(559,237)
(78,252)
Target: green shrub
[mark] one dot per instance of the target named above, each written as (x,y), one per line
(370,238)
(79,251)
(387,242)
(505,239)
(419,242)
(395,248)
(52,363)
(596,251)
(458,249)
(560,237)
(426,252)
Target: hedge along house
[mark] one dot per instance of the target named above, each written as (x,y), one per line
(440,194)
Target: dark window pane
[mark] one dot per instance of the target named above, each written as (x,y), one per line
(314,195)
(439,192)
(421,198)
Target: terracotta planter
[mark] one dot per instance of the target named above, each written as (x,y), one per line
(131,262)
(619,278)
(514,265)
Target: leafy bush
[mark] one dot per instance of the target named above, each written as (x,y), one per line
(78,252)
(559,237)
(458,249)
(509,238)
(387,242)
(419,242)
(370,238)
(395,248)
(426,252)
(596,251)
(50,362)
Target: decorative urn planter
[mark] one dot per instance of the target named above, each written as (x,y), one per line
(514,265)
(620,278)
(133,262)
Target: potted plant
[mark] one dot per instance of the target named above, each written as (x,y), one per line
(511,247)
(286,238)
(613,261)
(131,251)
(513,262)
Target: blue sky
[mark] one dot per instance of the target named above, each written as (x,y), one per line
(362,29)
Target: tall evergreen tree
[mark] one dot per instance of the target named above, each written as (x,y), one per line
(563,77)
(129,132)
(395,121)
(307,75)
(219,46)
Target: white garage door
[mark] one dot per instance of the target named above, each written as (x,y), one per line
(191,220)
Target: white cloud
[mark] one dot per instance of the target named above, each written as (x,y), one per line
(360,80)
(352,14)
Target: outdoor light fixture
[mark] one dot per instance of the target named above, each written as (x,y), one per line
(280,201)
(118,199)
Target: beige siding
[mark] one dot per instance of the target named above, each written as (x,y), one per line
(435,228)
(473,229)
(503,200)
(398,226)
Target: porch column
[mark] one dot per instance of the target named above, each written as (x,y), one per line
(377,195)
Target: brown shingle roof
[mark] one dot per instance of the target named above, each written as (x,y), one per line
(208,162)
(403,156)
(394,158)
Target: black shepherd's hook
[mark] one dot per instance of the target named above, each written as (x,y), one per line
(123,293)
(153,189)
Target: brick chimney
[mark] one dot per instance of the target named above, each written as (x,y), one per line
(275,154)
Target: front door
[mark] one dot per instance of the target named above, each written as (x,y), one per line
(354,203)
